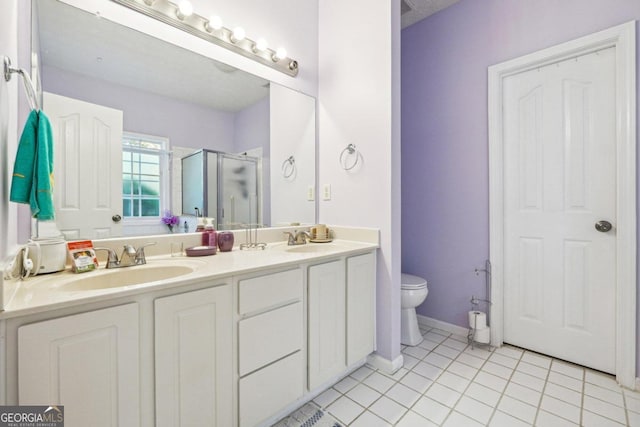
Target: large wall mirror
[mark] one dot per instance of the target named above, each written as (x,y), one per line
(143,104)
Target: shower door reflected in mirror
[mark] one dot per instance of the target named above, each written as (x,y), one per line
(238,202)
(222,186)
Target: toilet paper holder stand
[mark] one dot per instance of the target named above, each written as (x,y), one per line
(475,302)
(473,332)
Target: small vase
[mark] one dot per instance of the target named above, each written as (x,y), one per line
(225,241)
(170,227)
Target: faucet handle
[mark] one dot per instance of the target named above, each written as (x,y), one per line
(291,238)
(112,257)
(140,255)
(301,237)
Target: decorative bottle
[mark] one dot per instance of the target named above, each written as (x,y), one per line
(209,237)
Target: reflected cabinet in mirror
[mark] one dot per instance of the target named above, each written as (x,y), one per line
(126,108)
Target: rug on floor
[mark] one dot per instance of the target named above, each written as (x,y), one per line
(309,415)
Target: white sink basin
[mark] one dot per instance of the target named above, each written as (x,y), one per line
(313,248)
(126,276)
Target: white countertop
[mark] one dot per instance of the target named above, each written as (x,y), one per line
(66,289)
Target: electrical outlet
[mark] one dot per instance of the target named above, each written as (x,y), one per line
(311,193)
(326,192)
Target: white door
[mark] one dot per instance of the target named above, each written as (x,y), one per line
(87,167)
(559,181)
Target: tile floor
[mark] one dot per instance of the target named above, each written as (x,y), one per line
(446,383)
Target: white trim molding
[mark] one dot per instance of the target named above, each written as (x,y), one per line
(623,38)
(443,326)
(387,366)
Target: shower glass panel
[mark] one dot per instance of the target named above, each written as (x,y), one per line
(193,183)
(238,191)
(221,186)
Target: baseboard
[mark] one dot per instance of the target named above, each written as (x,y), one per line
(387,366)
(447,327)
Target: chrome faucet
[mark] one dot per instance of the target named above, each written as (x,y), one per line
(129,253)
(299,238)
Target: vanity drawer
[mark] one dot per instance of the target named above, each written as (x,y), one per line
(262,292)
(269,336)
(268,390)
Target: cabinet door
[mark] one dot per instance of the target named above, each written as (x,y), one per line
(326,322)
(361,289)
(194,365)
(87,362)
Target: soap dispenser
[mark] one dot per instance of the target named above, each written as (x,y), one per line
(200,224)
(209,237)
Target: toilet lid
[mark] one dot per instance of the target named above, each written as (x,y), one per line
(410,281)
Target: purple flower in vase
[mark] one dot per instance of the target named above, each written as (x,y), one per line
(169,220)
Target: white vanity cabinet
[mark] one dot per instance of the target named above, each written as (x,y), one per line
(271,362)
(361,306)
(327,320)
(341,304)
(87,362)
(235,350)
(194,358)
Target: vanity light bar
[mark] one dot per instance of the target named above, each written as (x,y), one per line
(194,24)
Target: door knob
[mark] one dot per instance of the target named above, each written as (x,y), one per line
(603,226)
(116,218)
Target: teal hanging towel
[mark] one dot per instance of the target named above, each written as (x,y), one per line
(32,180)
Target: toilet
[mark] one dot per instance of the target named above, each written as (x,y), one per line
(413,293)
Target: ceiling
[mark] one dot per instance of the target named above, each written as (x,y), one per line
(416,10)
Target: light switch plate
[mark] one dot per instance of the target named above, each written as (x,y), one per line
(326,192)
(311,193)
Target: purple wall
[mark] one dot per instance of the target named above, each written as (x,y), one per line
(185,124)
(445,192)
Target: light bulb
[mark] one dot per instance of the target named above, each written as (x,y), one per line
(280,53)
(184,9)
(215,23)
(238,35)
(260,45)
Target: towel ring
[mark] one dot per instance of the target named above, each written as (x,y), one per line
(350,150)
(288,167)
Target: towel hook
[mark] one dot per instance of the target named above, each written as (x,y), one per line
(290,166)
(349,150)
(26,80)
(7,68)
